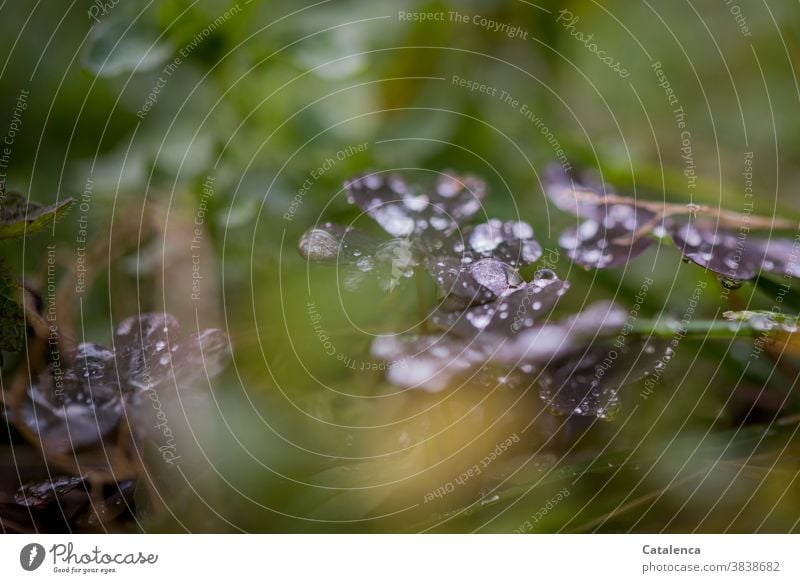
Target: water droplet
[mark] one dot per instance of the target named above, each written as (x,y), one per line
(730,283)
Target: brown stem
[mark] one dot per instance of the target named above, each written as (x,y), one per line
(725,217)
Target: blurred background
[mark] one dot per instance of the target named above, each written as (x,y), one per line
(201,139)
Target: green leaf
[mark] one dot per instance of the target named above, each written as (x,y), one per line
(12,318)
(20,217)
(117,46)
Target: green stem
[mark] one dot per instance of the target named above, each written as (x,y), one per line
(663,328)
(669,328)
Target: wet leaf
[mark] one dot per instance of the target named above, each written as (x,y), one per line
(478,264)
(392,261)
(472,265)
(614,229)
(80,398)
(543,344)
(609,233)
(364,256)
(587,383)
(428,362)
(21,217)
(332,243)
(576,197)
(434,362)
(72,503)
(75,402)
(609,240)
(511,242)
(39,495)
(735,255)
(201,356)
(514,310)
(144,344)
(403,207)
(463,284)
(154,354)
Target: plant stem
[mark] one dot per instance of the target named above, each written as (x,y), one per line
(663,328)
(669,328)
(664,209)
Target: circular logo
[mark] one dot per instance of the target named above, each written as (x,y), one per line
(31,556)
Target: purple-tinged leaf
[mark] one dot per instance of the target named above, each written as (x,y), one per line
(736,255)
(465,284)
(404,207)
(332,243)
(40,495)
(609,233)
(514,310)
(610,240)
(428,362)
(78,401)
(543,344)
(587,383)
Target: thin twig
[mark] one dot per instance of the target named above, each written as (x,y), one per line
(664,210)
